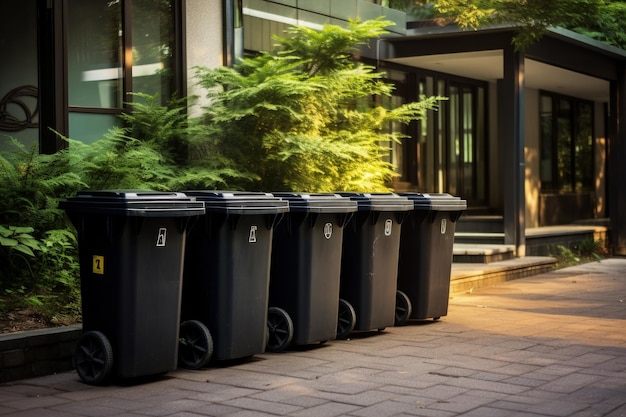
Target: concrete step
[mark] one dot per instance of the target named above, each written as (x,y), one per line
(479,238)
(472,223)
(482,253)
(465,277)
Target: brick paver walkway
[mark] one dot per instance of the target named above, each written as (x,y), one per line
(550,345)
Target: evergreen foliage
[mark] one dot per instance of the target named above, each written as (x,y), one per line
(609,24)
(160,148)
(534,17)
(303,117)
(38,253)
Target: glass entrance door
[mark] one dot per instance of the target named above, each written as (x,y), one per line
(464,144)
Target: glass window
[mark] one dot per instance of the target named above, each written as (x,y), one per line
(116,47)
(566,144)
(583,147)
(468,141)
(461,140)
(563,142)
(545,119)
(453,147)
(94,44)
(153,39)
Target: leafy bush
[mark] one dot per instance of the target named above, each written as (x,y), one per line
(34,234)
(592,249)
(587,250)
(302,118)
(158,149)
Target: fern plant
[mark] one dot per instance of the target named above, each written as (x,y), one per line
(31,185)
(302,118)
(157,149)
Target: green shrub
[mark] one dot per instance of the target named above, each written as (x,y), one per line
(37,252)
(302,118)
(586,251)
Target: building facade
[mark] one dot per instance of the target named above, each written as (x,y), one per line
(532,138)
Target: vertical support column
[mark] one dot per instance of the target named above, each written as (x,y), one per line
(233,31)
(52,75)
(228,13)
(511,133)
(617,164)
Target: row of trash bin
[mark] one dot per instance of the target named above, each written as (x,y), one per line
(179,279)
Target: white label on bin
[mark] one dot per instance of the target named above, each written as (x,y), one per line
(444,226)
(328,230)
(98,265)
(252,236)
(162,237)
(388,227)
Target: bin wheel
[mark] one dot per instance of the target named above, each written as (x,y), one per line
(280,329)
(93,357)
(346,320)
(403,308)
(436,318)
(195,345)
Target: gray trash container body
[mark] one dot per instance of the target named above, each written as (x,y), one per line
(306,263)
(131,248)
(369,264)
(426,251)
(227,265)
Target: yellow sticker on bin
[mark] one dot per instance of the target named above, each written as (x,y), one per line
(98,264)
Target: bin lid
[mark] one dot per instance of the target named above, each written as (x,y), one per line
(379,201)
(318,202)
(140,203)
(239,202)
(435,201)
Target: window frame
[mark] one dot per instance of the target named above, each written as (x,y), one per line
(556,184)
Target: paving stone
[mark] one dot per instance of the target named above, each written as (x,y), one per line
(35,402)
(4,410)
(326,410)
(225,394)
(262,406)
(443,392)
(213,410)
(170,407)
(462,403)
(516,369)
(526,382)
(384,409)
(557,408)
(363,399)
(486,412)
(619,412)
(44,413)
(305,401)
(571,383)
(500,386)
(250,413)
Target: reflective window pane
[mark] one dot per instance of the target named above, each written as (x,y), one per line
(153,52)
(94,58)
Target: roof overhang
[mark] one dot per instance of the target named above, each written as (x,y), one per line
(562,61)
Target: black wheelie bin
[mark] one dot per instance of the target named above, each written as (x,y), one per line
(226,278)
(426,250)
(306,264)
(131,248)
(369,263)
